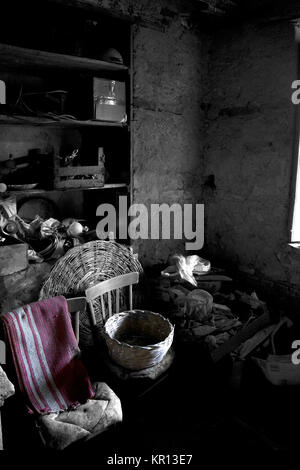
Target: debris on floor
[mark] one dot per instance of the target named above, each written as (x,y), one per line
(216,312)
(271,349)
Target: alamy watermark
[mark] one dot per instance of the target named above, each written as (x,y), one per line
(296,94)
(296,354)
(156,222)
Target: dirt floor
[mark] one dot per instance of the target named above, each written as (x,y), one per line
(194,411)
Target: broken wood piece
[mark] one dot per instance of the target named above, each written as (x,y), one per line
(255,341)
(244,334)
(284,321)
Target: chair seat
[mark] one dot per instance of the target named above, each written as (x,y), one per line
(59,430)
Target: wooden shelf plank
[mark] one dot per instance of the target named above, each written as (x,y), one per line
(34,192)
(41,121)
(14,56)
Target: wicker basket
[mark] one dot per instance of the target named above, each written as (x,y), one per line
(138,339)
(84,266)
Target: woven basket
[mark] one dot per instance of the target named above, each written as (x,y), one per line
(84,266)
(138,339)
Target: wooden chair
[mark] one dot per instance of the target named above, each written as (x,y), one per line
(113,410)
(76,305)
(145,385)
(105,288)
(128,391)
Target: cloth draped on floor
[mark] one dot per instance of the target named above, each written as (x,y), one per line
(45,354)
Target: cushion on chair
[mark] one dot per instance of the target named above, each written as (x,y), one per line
(95,416)
(6,387)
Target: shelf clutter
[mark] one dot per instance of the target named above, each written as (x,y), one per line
(65,143)
(68,94)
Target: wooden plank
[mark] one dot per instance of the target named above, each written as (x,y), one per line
(76,305)
(79,183)
(33,192)
(103,308)
(79,170)
(117,300)
(14,56)
(109,304)
(60,123)
(92,314)
(240,337)
(76,326)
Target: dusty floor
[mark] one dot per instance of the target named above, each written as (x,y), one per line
(193,411)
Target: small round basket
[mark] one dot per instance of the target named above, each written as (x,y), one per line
(138,339)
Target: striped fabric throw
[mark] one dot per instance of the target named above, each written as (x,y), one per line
(45,354)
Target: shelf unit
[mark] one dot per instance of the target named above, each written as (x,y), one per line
(30,50)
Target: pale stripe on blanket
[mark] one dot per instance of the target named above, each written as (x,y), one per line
(28,373)
(35,364)
(44,359)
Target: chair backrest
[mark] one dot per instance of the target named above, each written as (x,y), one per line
(76,305)
(106,287)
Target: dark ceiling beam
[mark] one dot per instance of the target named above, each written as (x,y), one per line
(94,8)
(89,6)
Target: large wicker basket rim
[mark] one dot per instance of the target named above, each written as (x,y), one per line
(149,347)
(96,259)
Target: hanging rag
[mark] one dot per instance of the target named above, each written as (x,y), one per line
(45,354)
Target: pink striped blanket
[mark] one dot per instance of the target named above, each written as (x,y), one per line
(45,354)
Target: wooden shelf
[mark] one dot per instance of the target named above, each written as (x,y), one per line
(61,123)
(36,192)
(20,57)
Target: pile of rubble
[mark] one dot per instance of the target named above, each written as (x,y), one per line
(200,317)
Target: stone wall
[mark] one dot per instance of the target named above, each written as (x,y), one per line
(168,124)
(248,149)
(169,69)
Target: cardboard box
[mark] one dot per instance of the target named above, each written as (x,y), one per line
(279,370)
(13,258)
